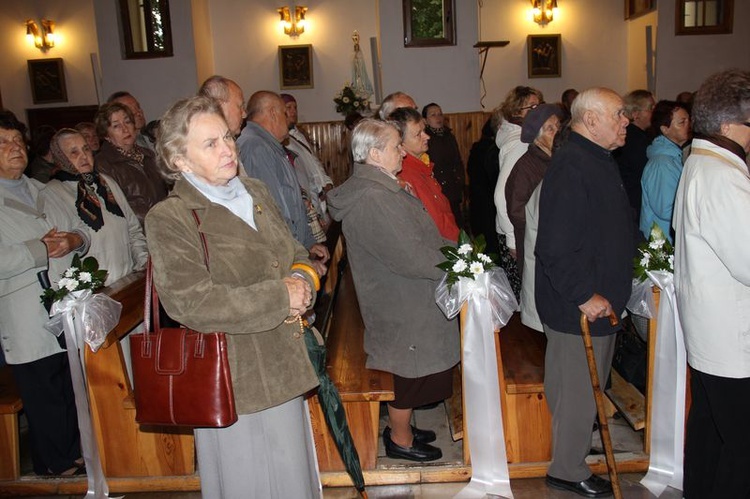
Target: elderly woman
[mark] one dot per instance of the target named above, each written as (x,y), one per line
(540,126)
(442,150)
(671,121)
(117,240)
(712,282)
(131,166)
(518,102)
(393,247)
(417,171)
(39,234)
(246,290)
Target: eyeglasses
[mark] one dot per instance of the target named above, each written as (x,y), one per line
(533,106)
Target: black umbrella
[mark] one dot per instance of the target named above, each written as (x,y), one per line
(333,411)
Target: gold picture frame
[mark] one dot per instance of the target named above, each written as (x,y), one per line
(295,67)
(545,56)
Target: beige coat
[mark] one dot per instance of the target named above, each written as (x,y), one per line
(243,293)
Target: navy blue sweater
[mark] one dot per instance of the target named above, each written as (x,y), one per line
(584,244)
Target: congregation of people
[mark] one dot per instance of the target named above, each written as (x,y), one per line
(226,195)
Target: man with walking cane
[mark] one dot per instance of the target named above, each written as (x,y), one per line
(584,265)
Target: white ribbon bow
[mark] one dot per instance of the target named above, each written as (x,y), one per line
(490,304)
(667,419)
(84,317)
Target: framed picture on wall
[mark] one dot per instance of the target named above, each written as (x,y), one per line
(295,66)
(47,79)
(545,56)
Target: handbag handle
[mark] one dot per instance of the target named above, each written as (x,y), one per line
(151,299)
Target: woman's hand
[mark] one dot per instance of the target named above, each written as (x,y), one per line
(300,295)
(60,244)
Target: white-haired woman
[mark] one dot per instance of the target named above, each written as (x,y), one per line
(394,247)
(244,287)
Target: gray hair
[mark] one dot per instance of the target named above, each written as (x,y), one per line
(389,104)
(589,100)
(370,134)
(171,140)
(403,116)
(61,159)
(723,98)
(216,87)
(636,100)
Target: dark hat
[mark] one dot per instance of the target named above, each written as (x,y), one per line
(287,98)
(535,119)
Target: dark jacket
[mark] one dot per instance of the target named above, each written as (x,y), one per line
(631,160)
(449,168)
(483,169)
(393,247)
(142,185)
(584,244)
(526,175)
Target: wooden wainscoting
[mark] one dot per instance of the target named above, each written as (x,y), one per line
(330,140)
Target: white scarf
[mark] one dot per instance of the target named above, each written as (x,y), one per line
(233,196)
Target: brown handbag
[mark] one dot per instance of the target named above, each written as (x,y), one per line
(181,376)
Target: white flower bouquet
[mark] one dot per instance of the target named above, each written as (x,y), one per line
(84,274)
(655,254)
(349,101)
(466,260)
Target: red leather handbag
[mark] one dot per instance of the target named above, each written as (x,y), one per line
(181,376)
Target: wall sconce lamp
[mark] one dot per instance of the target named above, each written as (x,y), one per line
(43,39)
(544,11)
(293,26)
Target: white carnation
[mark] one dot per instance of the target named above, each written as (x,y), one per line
(71,272)
(459,266)
(656,243)
(464,249)
(484,258)
(476,268)
(671,261)
(84,277)
(71,285)
(644,261)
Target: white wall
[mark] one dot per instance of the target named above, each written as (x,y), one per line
(156,83)
(594,47)
(247,35)
(683,62)
(76,34)
(446,75)
(637,57)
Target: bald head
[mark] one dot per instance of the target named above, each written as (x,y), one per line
(599,115)
(267,109)
(394,101)
(230,97)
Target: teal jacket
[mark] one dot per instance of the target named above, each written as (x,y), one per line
(659,184)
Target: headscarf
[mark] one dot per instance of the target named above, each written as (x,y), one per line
(89,185)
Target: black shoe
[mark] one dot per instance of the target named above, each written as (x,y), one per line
(417,452)
(423,436)
(593,486)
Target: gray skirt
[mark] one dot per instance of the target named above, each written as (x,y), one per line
(269,454)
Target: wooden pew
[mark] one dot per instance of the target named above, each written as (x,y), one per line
(526,419)
(10,406)
(361,389)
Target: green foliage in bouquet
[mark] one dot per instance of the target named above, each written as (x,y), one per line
(349,101)
(655,254)
(84,274)
(467,259)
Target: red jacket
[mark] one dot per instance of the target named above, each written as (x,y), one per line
(427,189)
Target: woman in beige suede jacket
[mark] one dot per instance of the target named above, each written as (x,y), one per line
(247,290)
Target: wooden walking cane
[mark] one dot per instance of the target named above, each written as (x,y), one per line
(599,398)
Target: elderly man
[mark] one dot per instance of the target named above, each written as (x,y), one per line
(584,266)
(311,173)
(231,99)
(39,234)
(266,159)
(393,102)
(126,99)
(631,157)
